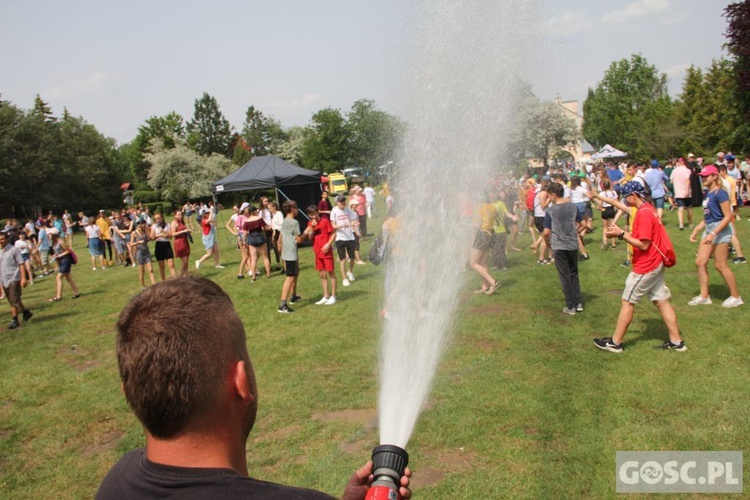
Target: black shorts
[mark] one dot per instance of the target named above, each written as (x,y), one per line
(608,213)
(291,267)
(163,251)
(539,223)
(344,246)
(483,241)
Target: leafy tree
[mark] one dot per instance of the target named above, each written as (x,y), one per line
(208,131)
(291,149)
(738,44)
(42,109)
(326,145)
(180,173)
(549,130)
(631,98)
(374,134)
(262,133)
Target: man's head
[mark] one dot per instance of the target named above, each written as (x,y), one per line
(3,239)
(632,190)
(341,201)
(312,212)
(177,362)
(556,190)
(289,206)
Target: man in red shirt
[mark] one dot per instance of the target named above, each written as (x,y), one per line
(647,277)
(323,238)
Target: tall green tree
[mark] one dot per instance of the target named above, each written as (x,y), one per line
(292,148)
(374,134)
(262,133)
(628,104)
(738,44)
(327,139)
(208,130)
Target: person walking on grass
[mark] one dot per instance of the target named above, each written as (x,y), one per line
(717,217)
(323,237)
(13,280)
(484,220)
(210,243)
(94,244)
(561,226)
(290,237)
(63,256)
(648,238)
(139,242)
(255,229)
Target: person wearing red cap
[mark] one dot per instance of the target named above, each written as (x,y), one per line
(646,279)
(717,216)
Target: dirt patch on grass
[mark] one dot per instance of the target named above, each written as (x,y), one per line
(280,434)
(5,434)
(359,447)
(441,463)
(488,345)
(77,358)
(367,417)
(103,441)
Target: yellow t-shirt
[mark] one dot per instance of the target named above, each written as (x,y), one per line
(104,224)
(500,211)
(486,217)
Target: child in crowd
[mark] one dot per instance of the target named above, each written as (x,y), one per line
(290,237)
(323,238)
(561,235)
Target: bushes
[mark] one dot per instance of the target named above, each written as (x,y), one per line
(146,197)
(165,207)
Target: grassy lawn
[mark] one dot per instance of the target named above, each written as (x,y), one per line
(523,405)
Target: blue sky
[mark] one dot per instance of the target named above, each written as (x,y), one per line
(117,63)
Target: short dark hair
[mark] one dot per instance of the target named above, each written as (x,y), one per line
(311,209)
(556,189)
(173,355)
(288,206)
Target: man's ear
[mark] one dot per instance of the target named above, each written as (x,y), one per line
(241,382)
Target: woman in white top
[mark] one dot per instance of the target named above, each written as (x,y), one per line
(277,220)
(608,211)
(93,237)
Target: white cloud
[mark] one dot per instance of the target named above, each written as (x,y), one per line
(637,9)
(76,87)
(676,70)
(304,102)
(568,24)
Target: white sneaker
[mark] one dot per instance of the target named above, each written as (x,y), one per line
(219,267)
(345,282)
(197,264)
(700,301)
(360,263)
(331,300)
(732,302)
(93,269)
(321,301)
(350,275)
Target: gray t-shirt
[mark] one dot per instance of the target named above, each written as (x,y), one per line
(289,230)
(561,220)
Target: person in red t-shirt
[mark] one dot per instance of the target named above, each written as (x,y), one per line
(647,277)
(323,238)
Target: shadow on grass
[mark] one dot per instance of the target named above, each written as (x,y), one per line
(41,317)
(652,329)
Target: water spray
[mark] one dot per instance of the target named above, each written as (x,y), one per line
(388,465)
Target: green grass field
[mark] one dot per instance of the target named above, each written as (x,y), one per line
(523,405)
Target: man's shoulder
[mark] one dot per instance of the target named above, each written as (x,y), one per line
(133,476)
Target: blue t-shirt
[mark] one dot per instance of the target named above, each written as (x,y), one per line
(656,179)
(614,174)
(712,205)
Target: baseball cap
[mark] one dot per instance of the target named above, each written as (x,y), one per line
(654,163)
(708,170)
(691,155)
(244,206)
(341,199)
(632,187)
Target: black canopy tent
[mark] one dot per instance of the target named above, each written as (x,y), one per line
(265,172)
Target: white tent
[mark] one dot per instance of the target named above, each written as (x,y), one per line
(608,152)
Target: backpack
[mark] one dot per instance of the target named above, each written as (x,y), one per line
(377,251)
